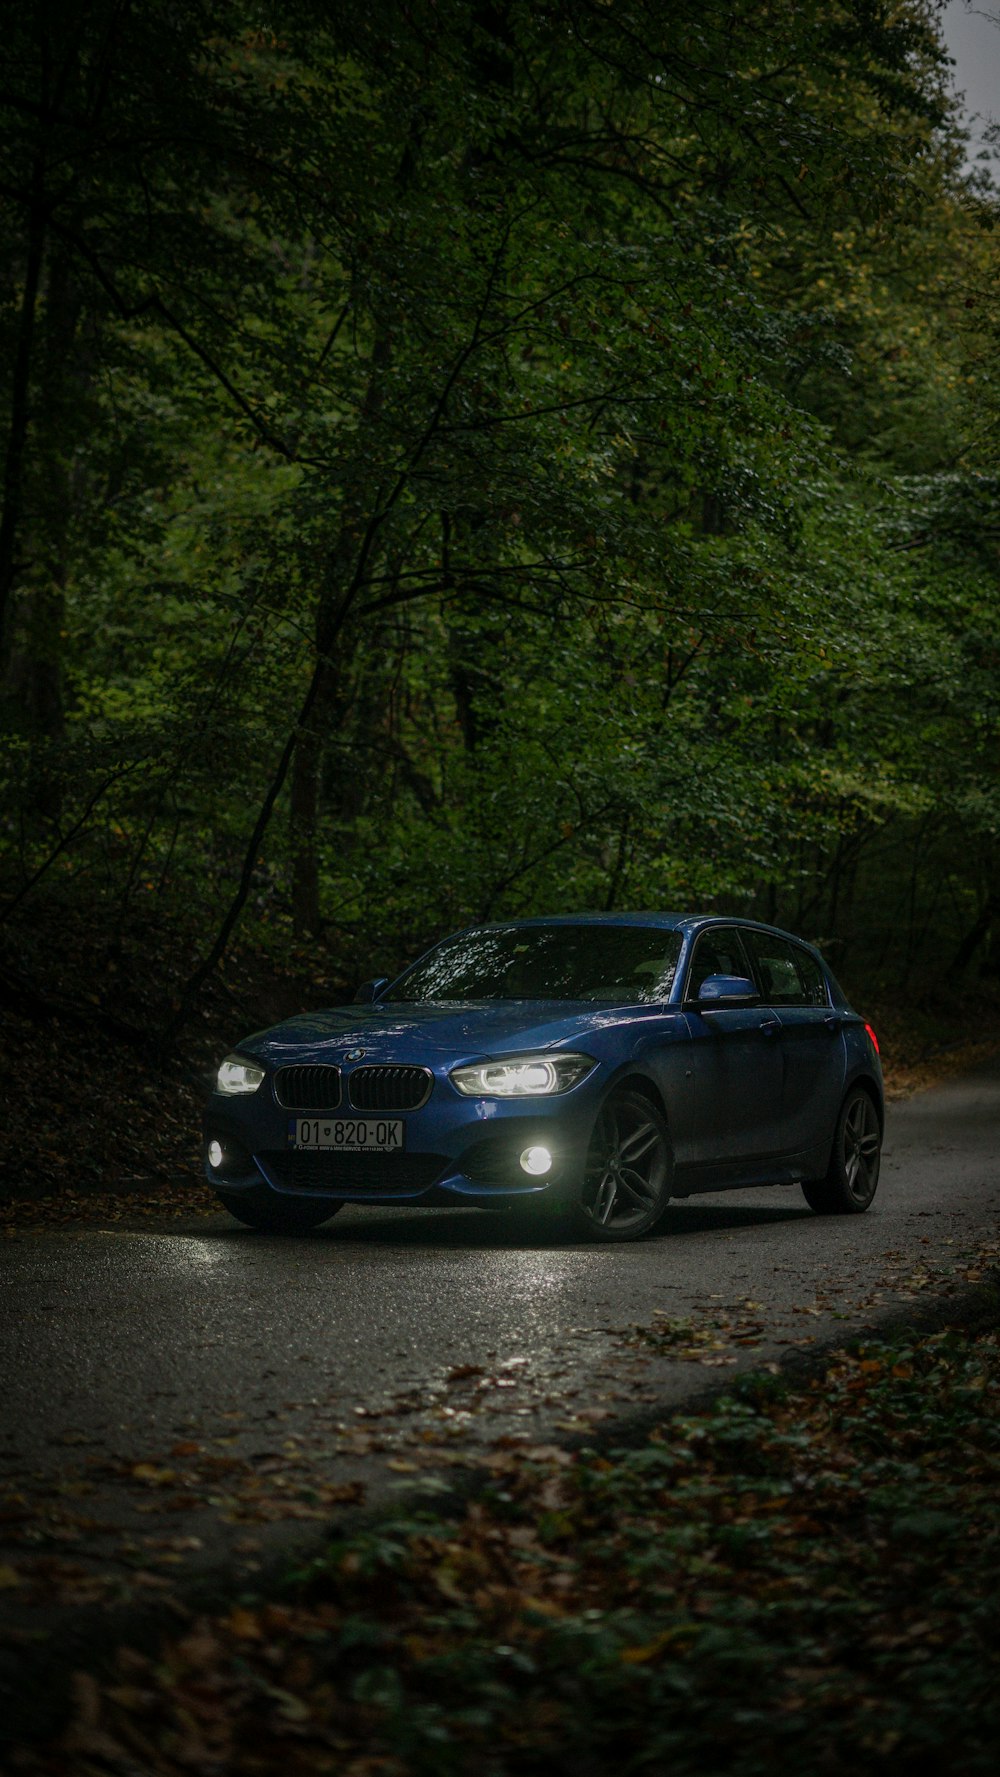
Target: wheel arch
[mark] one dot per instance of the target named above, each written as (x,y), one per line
(630,1081)
(877,1097)
(640,1083)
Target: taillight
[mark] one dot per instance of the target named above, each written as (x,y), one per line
(874,1039)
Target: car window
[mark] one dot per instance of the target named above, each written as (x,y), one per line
(787,974)
(717,952)
(623,965)
(813,978)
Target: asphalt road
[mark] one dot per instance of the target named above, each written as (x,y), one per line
(186,1399)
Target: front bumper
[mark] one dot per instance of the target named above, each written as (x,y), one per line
(455,1147)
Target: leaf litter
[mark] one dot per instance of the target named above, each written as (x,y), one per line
(800,1577)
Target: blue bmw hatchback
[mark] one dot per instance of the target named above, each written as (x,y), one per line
(602,1062)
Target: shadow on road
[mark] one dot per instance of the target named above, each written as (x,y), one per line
(486,1230)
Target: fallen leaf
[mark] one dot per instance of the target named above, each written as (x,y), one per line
(153,1475)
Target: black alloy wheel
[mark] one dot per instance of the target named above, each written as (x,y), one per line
(262,1208)
(626,1178)
(852,1178)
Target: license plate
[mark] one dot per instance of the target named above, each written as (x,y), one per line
(348,1135)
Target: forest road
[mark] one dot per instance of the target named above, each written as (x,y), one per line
(184,1402)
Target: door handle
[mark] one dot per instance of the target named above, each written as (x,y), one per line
(770,1027)
(831,1023)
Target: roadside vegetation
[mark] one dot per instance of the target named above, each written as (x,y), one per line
(800,1575)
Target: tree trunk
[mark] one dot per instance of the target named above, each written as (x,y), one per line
(34,673)
(188,995)
(976,935)
(304,814)
(20,406)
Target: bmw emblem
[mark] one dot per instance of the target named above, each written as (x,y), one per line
(355,1054)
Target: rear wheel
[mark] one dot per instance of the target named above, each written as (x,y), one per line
(264,1209)
(852,1176)
(626,1178)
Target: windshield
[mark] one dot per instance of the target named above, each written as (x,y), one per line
(622,965)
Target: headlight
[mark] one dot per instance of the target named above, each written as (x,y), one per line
(236,1075)
(522,1076)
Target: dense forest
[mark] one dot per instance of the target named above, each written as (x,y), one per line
(465,458)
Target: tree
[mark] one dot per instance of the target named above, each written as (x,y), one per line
(518,339)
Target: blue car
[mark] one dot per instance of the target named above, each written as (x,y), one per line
(603,1063)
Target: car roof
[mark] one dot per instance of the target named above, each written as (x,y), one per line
(679,922)
(670,921)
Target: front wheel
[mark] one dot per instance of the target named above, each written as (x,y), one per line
(262,1208)
(626,1178)
(852,1176)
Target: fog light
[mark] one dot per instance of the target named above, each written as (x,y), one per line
(215,1154)
(536,1161)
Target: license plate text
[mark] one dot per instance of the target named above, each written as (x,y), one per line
(348,1134)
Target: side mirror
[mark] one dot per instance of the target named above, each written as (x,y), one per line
(370,990)
(726,990)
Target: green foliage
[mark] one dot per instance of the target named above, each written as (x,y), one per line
(536,452)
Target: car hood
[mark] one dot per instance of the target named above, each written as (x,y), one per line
(427,1033)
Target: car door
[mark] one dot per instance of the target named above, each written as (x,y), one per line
(732,1109)
(811,1042)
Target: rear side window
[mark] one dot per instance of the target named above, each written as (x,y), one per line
(813,978)
(788,975)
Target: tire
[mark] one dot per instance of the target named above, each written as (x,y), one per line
(626,1176)
(852,1176)
(260,1207)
